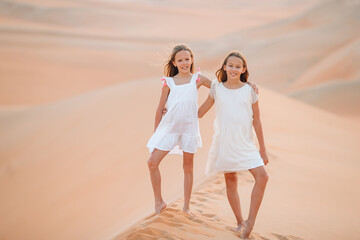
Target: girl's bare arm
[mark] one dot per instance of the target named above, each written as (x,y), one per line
(159,111)
(259,132)
(205,107)
(203,81)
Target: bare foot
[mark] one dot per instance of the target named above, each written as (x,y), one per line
(239,227)
(248,227)
(159,207)
(188,212)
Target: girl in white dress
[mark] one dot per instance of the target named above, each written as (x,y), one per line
(178,130)
(233,148)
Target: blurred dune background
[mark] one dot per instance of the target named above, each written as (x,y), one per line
(79,86)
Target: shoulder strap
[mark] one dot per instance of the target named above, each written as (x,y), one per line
(167,81)
(195,78)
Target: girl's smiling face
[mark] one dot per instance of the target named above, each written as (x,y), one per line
(234,67)
(183,61)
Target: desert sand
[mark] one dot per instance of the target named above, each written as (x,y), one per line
(79,85)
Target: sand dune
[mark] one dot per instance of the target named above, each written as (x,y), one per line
(280,52)
(73,66)
(51,50)
(333,83)
(339,66)
(313,166)
(342,98)
(67,164)
(79,87)
(299,52)
(80,165)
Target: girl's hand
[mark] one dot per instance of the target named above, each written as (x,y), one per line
(253,85)
(264,157)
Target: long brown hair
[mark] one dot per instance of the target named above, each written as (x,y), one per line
(170,70)
(221,73)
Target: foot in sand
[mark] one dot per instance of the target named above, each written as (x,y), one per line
(159,207)
(248,227)
(239,227)
(188,212)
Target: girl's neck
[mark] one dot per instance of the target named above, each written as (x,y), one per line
(183,75)
(234,82)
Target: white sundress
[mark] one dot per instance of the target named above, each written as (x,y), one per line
(233,148)
(178,129)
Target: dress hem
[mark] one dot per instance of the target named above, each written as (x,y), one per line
(151,149)
(212,172)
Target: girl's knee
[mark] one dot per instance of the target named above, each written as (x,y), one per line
(230,177)
(262,178)
(188,167)
(152,164)
(231,182)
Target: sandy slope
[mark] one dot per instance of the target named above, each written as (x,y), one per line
(333,83)
(77,169)
(279,53)
(342,98)
(339,66)
(74,166)
(50,50)
(310,195)
(290,48)
(317,46)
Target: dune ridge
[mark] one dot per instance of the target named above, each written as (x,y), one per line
(86,135)
(315,46)
(79,86)
(69,38)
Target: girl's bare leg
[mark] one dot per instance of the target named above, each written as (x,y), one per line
(188,163)
(153,164)
(231,180)
(261,179)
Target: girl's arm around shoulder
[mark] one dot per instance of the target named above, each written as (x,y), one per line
(253,85)
(205,107)
(202,80)
(259,132)
(159,111)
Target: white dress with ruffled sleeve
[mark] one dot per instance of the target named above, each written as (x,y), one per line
(178,130)
(233,148)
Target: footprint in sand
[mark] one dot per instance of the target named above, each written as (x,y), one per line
(211,217)
(166,214)
(147,233)
(168,221)
(201,194)
(290,237)
(220,192)
(200,205)
(201,199)
(197,220)
(219,182)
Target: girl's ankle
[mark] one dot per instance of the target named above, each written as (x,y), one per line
(240,223)
(250,222)
(186,208)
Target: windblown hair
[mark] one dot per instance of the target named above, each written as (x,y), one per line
(221,73)
(170,70)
